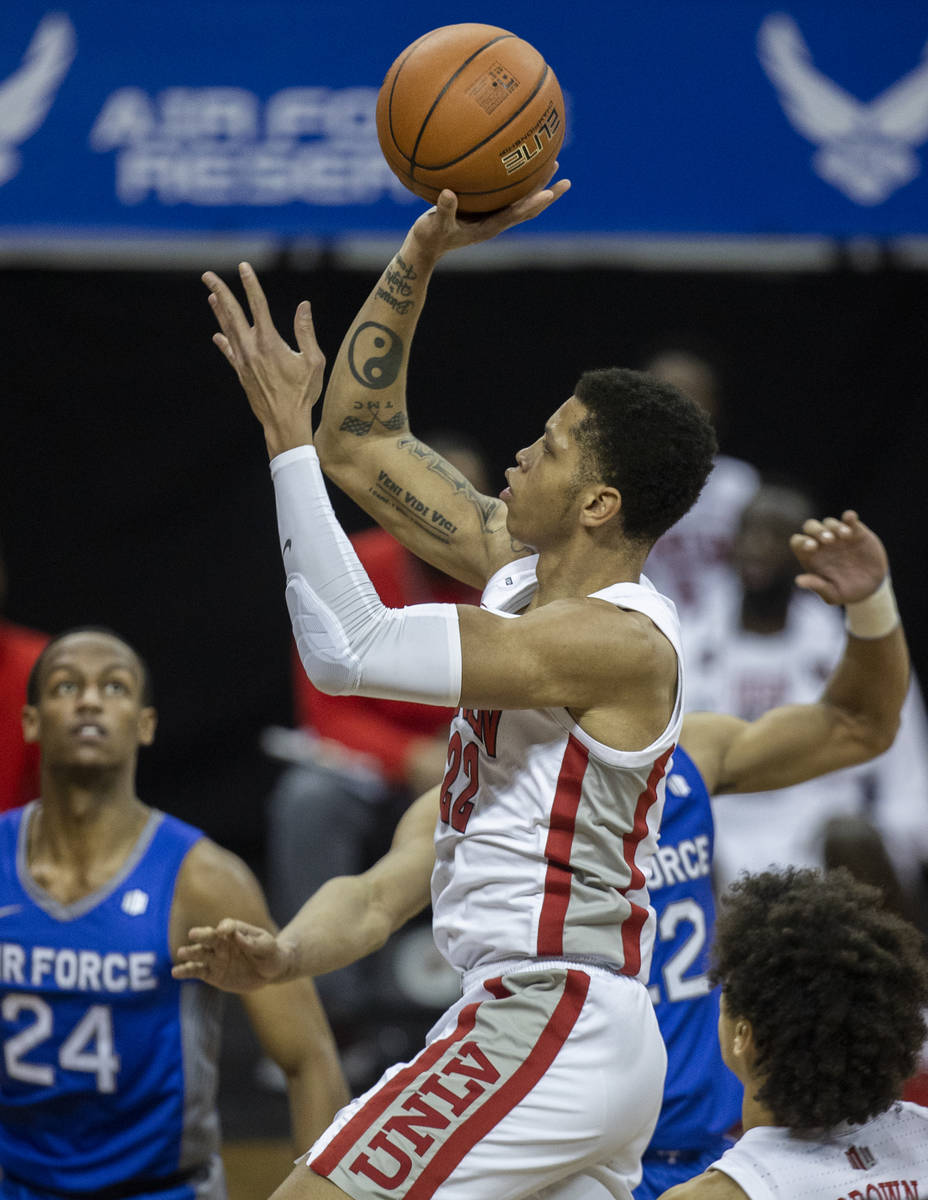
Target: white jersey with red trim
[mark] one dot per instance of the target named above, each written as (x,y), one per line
(543,831)
(885,1159)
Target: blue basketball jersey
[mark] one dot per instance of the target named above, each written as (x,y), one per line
(702,1099)
(109,1068)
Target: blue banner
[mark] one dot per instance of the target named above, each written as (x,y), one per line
(692,117)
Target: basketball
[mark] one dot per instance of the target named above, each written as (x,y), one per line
(472,108)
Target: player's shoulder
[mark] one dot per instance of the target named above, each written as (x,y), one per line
(710,1185)
(213,883)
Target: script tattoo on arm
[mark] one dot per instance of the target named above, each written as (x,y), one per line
(488,509)
(396,288)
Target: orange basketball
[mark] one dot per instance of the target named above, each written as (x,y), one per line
(472,108)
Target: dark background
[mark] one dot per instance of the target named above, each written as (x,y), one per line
(133,480)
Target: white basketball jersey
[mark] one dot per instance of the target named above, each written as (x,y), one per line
(886,1158)
(543,831)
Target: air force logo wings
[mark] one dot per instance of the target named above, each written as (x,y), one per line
(27,94)
(864,150)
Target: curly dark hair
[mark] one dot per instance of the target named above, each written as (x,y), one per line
(33,683)
(648,440)
(833,984)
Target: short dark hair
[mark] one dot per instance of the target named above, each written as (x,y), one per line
(648,440)
(33,683)
(834,986)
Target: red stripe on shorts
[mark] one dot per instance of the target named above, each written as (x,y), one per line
(328,1158)
(511,1093)
(634,922)
(558,846)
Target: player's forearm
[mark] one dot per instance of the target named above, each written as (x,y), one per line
(339,924)
(366,396)
(869,685)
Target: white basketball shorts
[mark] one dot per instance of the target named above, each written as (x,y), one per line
(541,1076)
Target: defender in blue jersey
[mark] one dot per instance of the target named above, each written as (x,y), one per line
(108,1075)
(855,719)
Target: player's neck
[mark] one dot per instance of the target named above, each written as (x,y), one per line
(576,569)
(753,1112)
(79,835)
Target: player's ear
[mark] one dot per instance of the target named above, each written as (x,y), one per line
(601,504)
(30,718)
(148,723)
(743,1038)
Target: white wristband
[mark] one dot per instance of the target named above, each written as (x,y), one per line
(874,617)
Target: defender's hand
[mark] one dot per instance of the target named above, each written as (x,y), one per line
(281,384)
(843,561)
(235,957)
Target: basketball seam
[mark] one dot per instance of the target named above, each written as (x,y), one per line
(396,74)
(447,84)
(413,165)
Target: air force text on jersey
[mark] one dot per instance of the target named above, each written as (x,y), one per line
(77,970)
(690,858)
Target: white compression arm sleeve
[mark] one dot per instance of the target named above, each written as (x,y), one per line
(348,642)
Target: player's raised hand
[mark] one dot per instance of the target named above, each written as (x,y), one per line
(281,384)
(234,956)
(843,561)
(441,228)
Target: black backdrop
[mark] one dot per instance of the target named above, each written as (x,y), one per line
(134,488)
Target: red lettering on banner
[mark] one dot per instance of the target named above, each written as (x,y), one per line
(484,723)
(481,1067)
(362,1165)
(411,1127)
(457,1103)
(910,1189)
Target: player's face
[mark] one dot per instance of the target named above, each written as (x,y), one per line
(89,711)
(541,488)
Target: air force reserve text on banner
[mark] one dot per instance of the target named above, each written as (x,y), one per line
(157,121)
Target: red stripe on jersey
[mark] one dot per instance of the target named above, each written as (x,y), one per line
(634,922)
(328,1158)
(511,1093)
(557,848)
